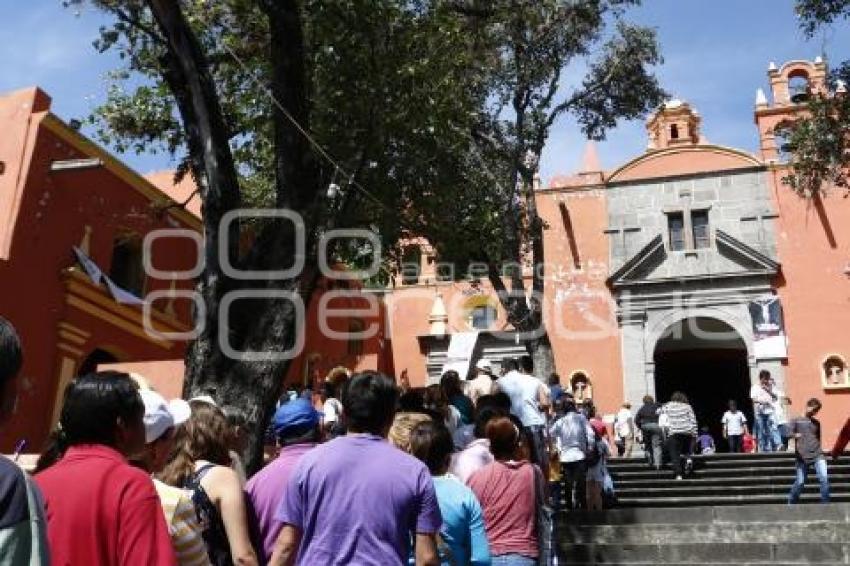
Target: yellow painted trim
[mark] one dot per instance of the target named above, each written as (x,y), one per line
(70,349)
(121,323)
(119,169)
(65,335)
(79,284)
(74,330)
(654,154)
(67,369)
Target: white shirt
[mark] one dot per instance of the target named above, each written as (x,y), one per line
(481,385)
(331,409)
(762,399)
(622,423)
(780,414)
(734,422)
(523,390)
(573,436)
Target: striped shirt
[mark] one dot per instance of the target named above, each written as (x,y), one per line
(681,418)
(182,525)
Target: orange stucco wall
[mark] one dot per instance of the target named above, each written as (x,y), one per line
(44,214)
(579,309)
(813,244)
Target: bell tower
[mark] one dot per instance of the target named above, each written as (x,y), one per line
(674,123)
(791,86)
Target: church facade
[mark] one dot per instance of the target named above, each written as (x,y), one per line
(691,267)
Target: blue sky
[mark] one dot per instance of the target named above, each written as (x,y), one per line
(716,55)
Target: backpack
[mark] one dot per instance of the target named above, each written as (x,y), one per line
(593,455)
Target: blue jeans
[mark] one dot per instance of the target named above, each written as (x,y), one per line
(802,476)
(512,560)
(767,433)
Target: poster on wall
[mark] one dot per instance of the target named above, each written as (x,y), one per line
(769,340)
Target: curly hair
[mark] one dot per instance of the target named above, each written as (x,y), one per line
(205,436)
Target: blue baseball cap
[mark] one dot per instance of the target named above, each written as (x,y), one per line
(296,414)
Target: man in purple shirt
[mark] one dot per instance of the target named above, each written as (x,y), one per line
(357,499)
(296,427)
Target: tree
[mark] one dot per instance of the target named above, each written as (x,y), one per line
(817,140)
(275,101)
(421,111)
(524,51)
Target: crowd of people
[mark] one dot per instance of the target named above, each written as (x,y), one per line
(464,472)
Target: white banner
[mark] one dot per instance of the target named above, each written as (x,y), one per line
(459,356)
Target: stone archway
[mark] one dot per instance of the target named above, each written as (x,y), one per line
(706,359)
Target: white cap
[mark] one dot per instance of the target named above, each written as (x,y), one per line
(483,364)
(204,399)
(160,415)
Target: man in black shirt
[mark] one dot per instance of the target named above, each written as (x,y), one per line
(647,421)
(805,431)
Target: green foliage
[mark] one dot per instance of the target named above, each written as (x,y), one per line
(816,141)
(436,111)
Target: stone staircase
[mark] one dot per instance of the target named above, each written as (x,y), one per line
(722,479)
(731,510)
(728,534)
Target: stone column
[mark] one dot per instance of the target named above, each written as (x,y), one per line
(638,371)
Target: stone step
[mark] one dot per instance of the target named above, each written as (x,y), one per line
(688,553)
(788,471)
(702,463)
(666,480)
(702,500)
(833,512)
(680,488)
(764,532)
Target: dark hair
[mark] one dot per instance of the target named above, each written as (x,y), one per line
(764,373)
(431,442)
(412,401)
(483,416)
(648,399)
(814,403)
(504,438)
(300,435)
(92,405)
(450,383)
(679,397)
(509,364)
(11,358)
(328,390)
(369,402)
(733,404)
(205,436)
(704,430)
(500,400)
(554,379)
(527,364)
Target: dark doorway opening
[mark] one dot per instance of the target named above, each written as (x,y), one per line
(707,361)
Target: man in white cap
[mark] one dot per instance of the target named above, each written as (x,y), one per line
(483,382)
(161,418)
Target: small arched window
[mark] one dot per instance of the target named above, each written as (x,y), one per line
(798,87)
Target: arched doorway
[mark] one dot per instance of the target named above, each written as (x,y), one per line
(706,359)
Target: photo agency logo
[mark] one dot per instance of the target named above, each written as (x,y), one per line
(334,304)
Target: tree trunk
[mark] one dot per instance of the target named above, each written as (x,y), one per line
(259,325)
